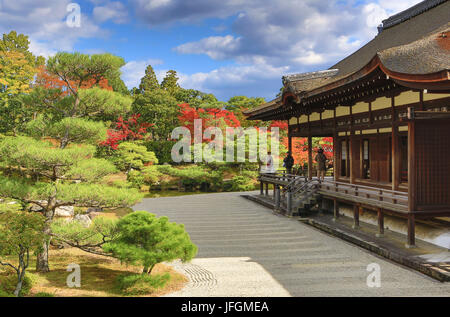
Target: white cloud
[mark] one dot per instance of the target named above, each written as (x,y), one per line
(44,22)
(115,11)
(216,47)
(250,80)
(375,14)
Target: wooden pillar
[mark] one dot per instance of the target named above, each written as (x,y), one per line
(274,191)
(261,188)
(395,158)
(289,202)
(355,217)
(411,243)
(310,161)
(267,189)
(277,197)
(289,140)
(395,155)
(380,223)
(412,184)
(335,157)
(411,167)
(335,210)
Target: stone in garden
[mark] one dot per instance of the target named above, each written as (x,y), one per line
(65,211)
(84,220)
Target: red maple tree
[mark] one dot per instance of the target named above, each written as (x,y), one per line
(126,130)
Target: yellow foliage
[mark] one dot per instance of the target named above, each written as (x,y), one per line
(16,74)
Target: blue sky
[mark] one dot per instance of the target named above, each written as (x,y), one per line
(225,47)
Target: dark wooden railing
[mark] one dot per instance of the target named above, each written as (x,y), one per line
(378,197)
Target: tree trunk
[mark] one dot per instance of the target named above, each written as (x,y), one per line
(18,288)
(151,269)
(42,258)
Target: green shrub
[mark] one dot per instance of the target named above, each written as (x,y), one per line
(141,284)
(147,240)
(8,285)
(162,150)
(131,155)
(136,178)
(240,183)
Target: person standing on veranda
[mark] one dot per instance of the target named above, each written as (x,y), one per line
(321,160)
(288,162)
(269,166)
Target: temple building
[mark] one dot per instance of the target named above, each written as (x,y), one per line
(387,107)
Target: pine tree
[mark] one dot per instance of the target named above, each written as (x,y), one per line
(147,240)
(52,177)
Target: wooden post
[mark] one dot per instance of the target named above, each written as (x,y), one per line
(355,217)
(351,149)
(395,150)
(411,243)
(395,158)
(277,198)
(411,167)
(289,140)
(267,189)
(380,223)
(335,157)
(289,203)
(412,184)
(335,210)
(310,163)
(262,188)
(274,191)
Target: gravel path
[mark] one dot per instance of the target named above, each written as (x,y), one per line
(245,250)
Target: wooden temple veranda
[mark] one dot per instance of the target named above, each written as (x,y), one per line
(387,107)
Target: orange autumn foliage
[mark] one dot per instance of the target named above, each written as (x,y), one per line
(49,81)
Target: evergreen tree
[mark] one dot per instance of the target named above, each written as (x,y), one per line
(61,94)
(170,83)
(52,177)
(160,109)
(147,240)
(149,82)
(20,234)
